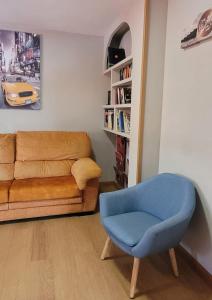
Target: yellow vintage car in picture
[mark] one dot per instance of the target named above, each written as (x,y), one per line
(18,92)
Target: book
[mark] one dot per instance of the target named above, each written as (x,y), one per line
(117,96)
(105,119)
(109,97)
(109,119)
(120,145)
(127,95)
(125,72)
(121,120)
(126,116)
(123,95)
(122,161)
(117,121)
(127,157)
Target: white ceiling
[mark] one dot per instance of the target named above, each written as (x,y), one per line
(77,16)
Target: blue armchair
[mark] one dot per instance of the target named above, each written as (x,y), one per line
(148,218)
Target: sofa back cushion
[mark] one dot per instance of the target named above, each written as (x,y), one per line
(7,148)
(7,156)
(51,145)
(39,169)
(6,172)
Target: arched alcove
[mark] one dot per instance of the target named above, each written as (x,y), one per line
(120,38)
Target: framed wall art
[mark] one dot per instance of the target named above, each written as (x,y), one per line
(19,70)
(200,30)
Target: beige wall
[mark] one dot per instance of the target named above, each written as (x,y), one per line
(186,140)
(72,88)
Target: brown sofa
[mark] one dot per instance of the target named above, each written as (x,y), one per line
(46,173)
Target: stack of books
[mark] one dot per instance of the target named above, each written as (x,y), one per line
(109,119)
(122,120)
(122,162)
(123,95)
(126,72)
(127,157)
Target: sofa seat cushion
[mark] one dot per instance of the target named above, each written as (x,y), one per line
(33,189)
(129,228)
(4,191)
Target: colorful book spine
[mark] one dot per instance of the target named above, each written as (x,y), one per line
(126,116)
(121,120)
(109,119)
(123,95)
(125,72)
(117,121)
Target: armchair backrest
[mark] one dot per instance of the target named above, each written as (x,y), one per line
(166,195)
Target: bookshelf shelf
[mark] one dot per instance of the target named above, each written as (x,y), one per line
(124,82)
(119,65)
(123,63)
(116,106)
(107,71)
(123,134)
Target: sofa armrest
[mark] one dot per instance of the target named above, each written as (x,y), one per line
(83,170)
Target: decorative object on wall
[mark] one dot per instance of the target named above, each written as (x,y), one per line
(19,70)
(200,30)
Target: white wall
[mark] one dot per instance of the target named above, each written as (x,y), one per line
(72,88)
(186,140)
(154,87)
(126,43)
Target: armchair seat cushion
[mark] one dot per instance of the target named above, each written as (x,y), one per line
(129,228)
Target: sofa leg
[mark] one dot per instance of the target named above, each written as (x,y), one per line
(134,277)
(173,261)
(105,249)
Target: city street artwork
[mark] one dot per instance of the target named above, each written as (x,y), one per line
(19,70)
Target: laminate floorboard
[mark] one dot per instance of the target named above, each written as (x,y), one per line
(59,259)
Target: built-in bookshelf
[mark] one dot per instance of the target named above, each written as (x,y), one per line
(117,113)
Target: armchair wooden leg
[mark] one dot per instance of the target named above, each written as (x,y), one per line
(105,249)
(134,277)
(173,262)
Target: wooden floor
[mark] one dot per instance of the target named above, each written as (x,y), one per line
(59,259)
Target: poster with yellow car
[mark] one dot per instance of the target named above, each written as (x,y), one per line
(19,70)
